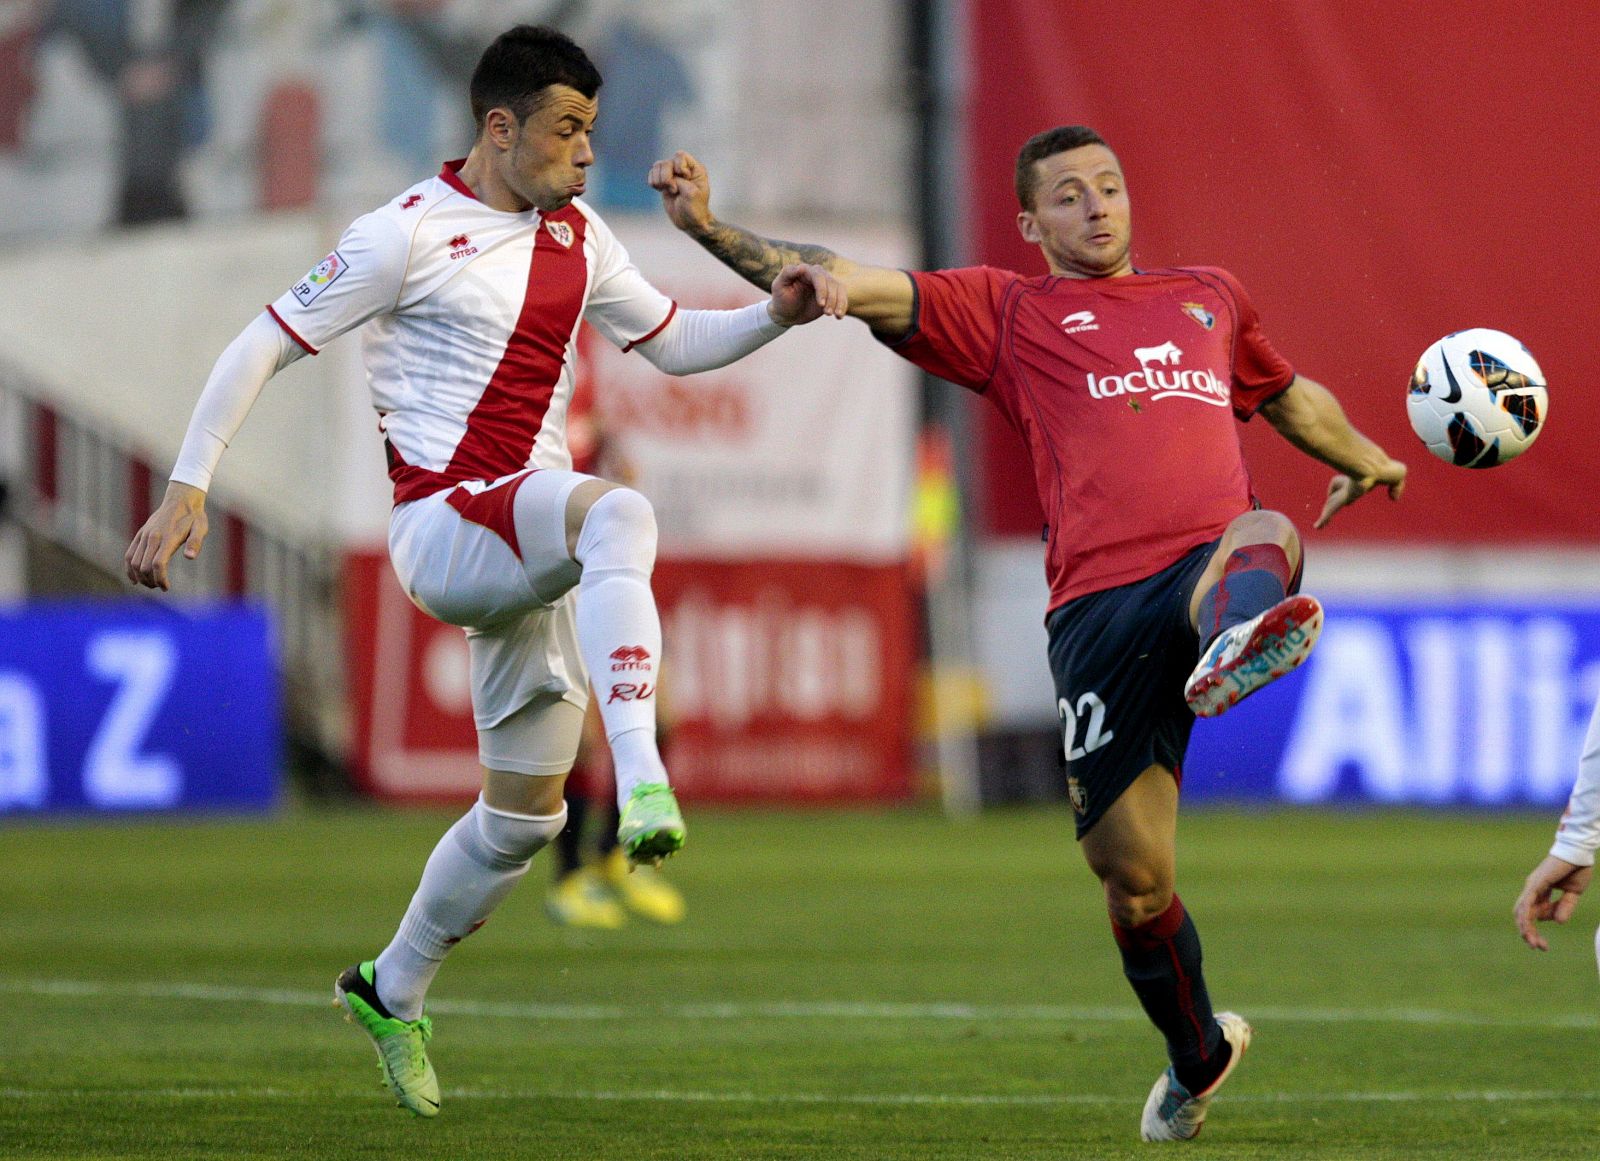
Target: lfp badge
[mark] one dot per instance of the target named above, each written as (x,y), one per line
(322,276)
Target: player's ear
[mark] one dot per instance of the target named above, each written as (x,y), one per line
(500,127)
(1028,227)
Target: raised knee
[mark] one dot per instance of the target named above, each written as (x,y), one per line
(1267,527)
(619,527)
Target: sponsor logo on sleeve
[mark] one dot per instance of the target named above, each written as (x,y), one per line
(323,275)
(561,232)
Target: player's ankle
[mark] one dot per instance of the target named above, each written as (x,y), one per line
(1201,1076)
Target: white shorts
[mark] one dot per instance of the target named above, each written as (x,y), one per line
(493,559)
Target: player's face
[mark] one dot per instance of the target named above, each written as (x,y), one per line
(1080,217)
(547,163)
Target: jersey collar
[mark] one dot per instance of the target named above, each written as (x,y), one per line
(451,176)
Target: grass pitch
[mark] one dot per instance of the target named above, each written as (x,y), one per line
(847,985)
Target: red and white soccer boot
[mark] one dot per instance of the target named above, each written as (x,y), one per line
(1250,655)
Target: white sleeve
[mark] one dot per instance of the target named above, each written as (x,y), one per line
(699,340)
(623,306)
(361,278)
(262,350)
(1578,836)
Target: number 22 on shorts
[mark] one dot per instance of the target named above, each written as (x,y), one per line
(1090,711)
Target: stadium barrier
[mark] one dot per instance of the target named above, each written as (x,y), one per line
(87,492)
(116,707)
(1437,704)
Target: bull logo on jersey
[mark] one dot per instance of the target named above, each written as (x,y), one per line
(1166,354)
(1160,376)
(561,232)
(1200,314)
(322,276)
(630,657)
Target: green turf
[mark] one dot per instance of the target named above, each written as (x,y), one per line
(846,986)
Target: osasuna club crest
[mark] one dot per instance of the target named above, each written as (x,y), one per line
(1200,314)
(560,231)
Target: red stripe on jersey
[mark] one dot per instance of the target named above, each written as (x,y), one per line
(493,508)
(289,330)
(503,426)
(654,333)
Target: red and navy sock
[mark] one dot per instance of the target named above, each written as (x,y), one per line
(1161,958)
(1254,578)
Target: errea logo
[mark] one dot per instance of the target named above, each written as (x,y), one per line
(461,246)
(1080,320)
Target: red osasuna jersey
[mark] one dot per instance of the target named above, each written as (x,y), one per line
(1125,391)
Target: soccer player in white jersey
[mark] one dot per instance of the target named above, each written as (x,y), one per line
(472,285)
(1570,864)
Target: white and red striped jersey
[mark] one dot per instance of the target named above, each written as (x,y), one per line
(473,320)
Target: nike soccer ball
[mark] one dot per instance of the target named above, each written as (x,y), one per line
(1477,398)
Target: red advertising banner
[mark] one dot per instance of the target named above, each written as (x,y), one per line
(409,689)
(788,680)
(783,681)
(1376,173)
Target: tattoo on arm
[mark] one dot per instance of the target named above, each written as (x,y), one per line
(756,259)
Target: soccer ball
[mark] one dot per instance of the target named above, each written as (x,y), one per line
(1477,398)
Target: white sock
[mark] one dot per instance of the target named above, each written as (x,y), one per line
(619,631)
(473,868)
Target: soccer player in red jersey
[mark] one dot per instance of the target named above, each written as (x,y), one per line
(1126,385)
(469,287)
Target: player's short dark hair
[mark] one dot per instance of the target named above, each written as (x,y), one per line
(1048,144)
(521,64)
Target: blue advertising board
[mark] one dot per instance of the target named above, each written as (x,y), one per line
(1460,705)
(133,706)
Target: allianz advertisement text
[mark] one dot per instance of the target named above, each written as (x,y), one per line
(1471,705)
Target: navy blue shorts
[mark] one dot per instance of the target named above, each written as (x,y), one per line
(1120,658)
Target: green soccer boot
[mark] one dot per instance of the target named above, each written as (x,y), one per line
(401,1044)
(652,825)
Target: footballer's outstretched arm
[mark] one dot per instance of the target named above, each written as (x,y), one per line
(260,351)
(881,297)
(1308,416)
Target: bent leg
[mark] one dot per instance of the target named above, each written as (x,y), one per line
(485,854)
(1256,565)
(619,628)
(1132,849)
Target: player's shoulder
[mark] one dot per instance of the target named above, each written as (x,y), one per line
(397,221)
(580,214)
(1216,277)
(979,281)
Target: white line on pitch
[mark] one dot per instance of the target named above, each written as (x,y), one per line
(669,1096)
(797,1010)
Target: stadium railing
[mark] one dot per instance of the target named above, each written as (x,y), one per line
(86,492)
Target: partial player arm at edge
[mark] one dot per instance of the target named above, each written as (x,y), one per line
(259,352)
(1308,416)
(1569,866)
